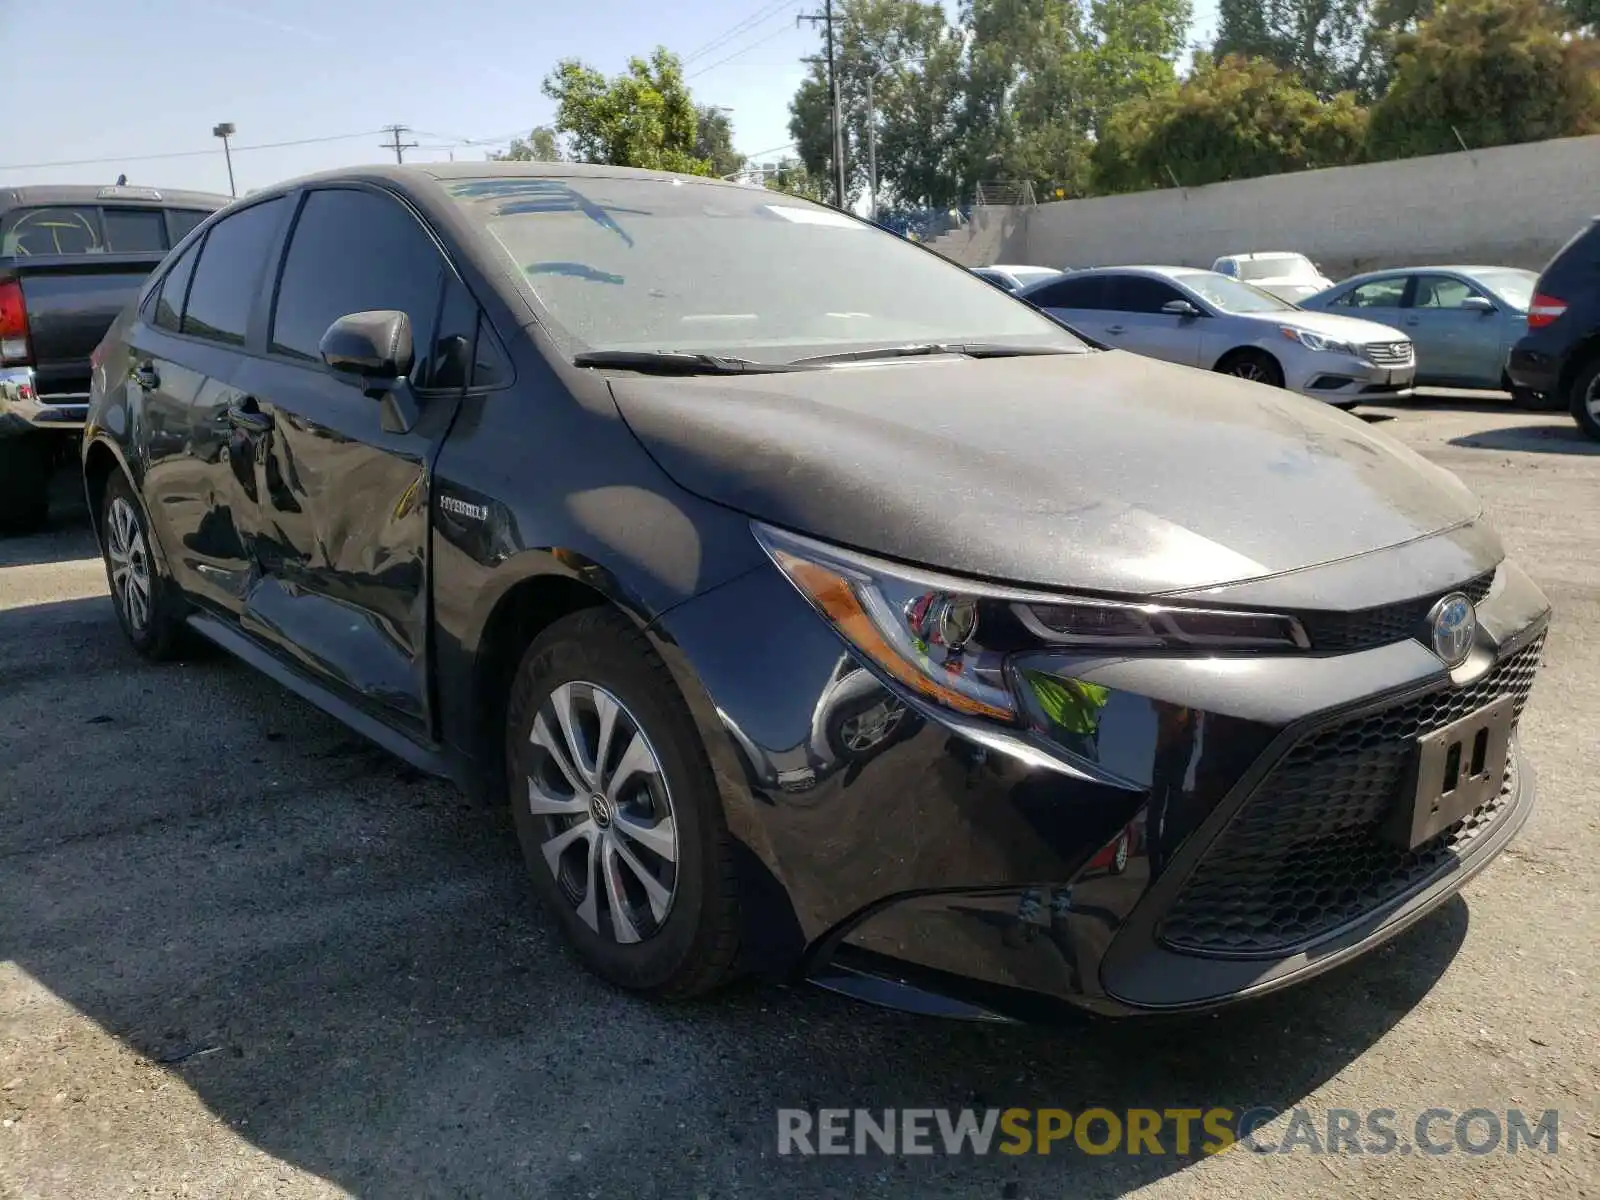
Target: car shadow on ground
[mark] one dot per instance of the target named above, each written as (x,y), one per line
(342,961)
(1559,437)
(67,535)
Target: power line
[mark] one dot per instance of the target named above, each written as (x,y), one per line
(126,158)
(739,53)
(759,17)
(826,18)
(397,145)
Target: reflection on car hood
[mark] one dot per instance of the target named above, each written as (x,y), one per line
(1346,329)
(1105,471)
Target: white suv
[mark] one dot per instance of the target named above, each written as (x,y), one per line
(1290,277)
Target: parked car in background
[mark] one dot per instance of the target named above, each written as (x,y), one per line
(70,259)
(1462,320)
(1290,277)
(1558,359)
(572,483)
(1203,319)
(1014,278)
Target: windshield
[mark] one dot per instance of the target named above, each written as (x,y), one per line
(657,264)
(1287,266)
(1513,286)
(1230,295)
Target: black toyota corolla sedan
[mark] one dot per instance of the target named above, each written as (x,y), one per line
(821,611)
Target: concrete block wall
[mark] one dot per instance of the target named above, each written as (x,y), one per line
(1509,205)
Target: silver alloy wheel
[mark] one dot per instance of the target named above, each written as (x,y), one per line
(867,729)
(1249,369)
(612,838)
(130,564)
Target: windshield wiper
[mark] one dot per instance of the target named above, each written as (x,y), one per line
(967,349)
(674,362)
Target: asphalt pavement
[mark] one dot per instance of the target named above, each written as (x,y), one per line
(243,953)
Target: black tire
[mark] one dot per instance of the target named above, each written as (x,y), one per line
(1584,387)
(693,946)
(155,627)
(25,467)
(1255,365)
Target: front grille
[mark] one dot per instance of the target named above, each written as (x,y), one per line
(1390,354)
(1344,633)
(1303,857)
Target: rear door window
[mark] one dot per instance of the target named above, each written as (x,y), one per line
(135,231)
(1071,293)
(51,230)
(169,300)
(229,274)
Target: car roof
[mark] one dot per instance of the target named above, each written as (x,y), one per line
(108,193)
(1017,267)
(1260,254)
(1432,268)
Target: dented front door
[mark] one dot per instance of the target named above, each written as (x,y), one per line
(341,535)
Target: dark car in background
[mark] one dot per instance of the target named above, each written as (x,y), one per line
(1558,359)
(71,258)
(819,610)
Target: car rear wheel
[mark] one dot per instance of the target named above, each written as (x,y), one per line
(1585,399)
(25,463)
(617,810)
(149,608)
(1255,365)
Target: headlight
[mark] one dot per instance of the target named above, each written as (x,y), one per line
(950,639)
(1316,341)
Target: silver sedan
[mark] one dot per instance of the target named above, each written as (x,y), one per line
(1463,320)
(1203,319)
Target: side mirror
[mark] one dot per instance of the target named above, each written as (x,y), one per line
(1180,308)
(1477,304)
(373,346)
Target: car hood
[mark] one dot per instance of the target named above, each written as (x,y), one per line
(1346,329)
(1102,471)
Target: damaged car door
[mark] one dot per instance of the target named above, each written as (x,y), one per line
(341,537)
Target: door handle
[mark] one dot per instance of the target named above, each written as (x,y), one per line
(247,417)
(1116,329)
(146,377)
(1412,321)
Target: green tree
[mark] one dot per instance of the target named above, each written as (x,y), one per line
(1328,43)
(713,140)
(643,117)
(912,58)
(539,146)
(1044,78)
(1230,120)
(793,179)
(1493,71)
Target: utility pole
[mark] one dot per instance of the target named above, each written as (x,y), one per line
(224,131)
(827,19)
(872,153)
(397,145)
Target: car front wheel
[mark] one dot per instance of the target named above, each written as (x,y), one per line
(617,810)
(1255,365)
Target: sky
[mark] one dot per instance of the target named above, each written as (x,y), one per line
(117,81)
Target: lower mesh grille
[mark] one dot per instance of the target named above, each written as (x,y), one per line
(1303,858)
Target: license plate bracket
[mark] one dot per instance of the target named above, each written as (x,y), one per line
(1454,771)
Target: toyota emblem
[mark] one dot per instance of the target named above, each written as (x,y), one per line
(1454,623)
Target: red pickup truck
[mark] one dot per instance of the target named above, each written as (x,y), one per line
(71,258)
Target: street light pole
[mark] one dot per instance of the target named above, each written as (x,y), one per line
(225,131)
(872,150)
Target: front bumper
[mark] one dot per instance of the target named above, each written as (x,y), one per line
(1347,379)
(23,409)
(973,872)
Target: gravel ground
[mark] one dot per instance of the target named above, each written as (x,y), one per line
(243,954)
